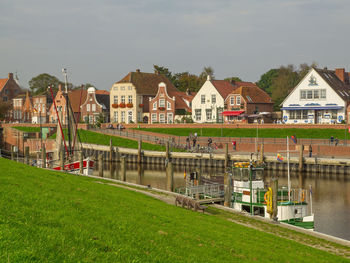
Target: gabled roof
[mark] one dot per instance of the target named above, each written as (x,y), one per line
(3,83)
(342,89)
(179,99)
(146,83)
(225,87)
(103,99)
(253,94)
(75,100)
(102,92)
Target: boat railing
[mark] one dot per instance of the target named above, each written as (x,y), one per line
(205,190)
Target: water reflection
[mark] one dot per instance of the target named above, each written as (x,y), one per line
(331,194)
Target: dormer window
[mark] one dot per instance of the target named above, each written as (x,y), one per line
(238,100)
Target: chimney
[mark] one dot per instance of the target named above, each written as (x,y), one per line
(340,72)
(10,75)
(208,78)
(138,70)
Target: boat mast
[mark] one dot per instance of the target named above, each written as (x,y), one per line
(288,169)
(64,71)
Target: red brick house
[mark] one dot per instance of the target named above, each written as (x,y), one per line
(245,103)
(9,88)
(41,106)
(18,103)
(169,105)
(95,104)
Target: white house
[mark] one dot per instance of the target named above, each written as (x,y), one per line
(322,96)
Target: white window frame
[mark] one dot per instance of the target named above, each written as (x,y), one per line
(213,98)
(232,100)
(162,103)
(168,105)
(115,116)
(153,117)
(161,117)
(302,94)
(323,94)
(87,107)
(129,98)
(130,116)
(208,114)
(93,107)
(238,100)
(170,118)
(122,116)
(122,98)
(203,99)
(115,99)
(198,116)
(154,106)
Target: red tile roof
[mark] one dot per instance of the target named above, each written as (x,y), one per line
(223,87)
(2,83)
(102,92)
(180,98)
(74,98)
(253,94)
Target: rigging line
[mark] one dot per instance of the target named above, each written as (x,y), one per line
(68,123)
(78,117)
(59,122)
(81,145)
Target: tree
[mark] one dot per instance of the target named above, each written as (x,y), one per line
(40,83)
(233,79)
(4,109)
(266,80)
(164,71)
(207,71)
(185,80)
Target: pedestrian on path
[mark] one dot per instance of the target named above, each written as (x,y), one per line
(336,141)
(310,150)
(234,145)
(332,139)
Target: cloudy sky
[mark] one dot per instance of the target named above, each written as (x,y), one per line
(100,41)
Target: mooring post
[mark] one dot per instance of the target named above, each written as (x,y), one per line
(123,168)
(167,154)
(170,176)
(62,159)
(81,162)
(43,157)
(301,159)
(12,153)
(100,165)
(26,155)
(111,157)
(117,155)
(274,182)
(139,148)
(262,153)
(226,155)
(227,189)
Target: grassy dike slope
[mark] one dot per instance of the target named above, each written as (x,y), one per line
(47,216)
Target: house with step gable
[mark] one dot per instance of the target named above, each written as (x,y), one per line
(322,96)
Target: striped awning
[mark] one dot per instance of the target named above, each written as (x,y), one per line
(232,113)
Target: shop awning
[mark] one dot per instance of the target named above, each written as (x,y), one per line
(232,113)
(313,108)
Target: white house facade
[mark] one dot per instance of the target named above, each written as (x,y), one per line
(322,96)
(208,103)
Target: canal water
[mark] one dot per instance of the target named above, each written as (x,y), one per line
(331,195)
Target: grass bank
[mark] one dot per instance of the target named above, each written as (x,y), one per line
(87,136)
(47,216)
(27,129)
(252,132)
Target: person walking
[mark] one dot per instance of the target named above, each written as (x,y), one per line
(310,150)
(194,141)
(332,139)
(234,145)
(336,141)
(210,142)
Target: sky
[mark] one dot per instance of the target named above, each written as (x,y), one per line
(99,42)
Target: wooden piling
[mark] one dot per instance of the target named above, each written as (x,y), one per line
(227,189)
(43,157)
(170,177)
(81,162)
(226,155)
(139,151)
(12,153)
(62,158)
(100,165)
(262,153)
(167,152)
(26,155)
(111,158)
(301,159)
(123,168)
(274,182)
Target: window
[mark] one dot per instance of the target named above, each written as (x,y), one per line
(298,114)
(238,100)
(93,107)
(115,99)
(154,117)
(292,114)
(334,114)
(115,88)
(129,88)
(43,109)
(161,103)
(213,98)
(316,94)
(232,100)
(168,105)
(122,88)
(39,107)
(208,114)
(309,94)
(130,99)
(323,93)
(304,114)
(122,98)
(154,106)
(91,119)
(87,107)
(115,116)
(303,94)
(203,99)
(130,116)
(198,113)
(161,118)
(122,116)
(170,117)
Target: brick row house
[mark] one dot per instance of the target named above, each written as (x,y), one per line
(169,106)
(9,88)
(129,97)
(22,109)
(95,106)
(217,101)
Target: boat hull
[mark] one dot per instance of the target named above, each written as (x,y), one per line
(74,167)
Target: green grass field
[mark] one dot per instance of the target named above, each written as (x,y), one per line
(103,139)
(47,216)
(252,132)
(27,129)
